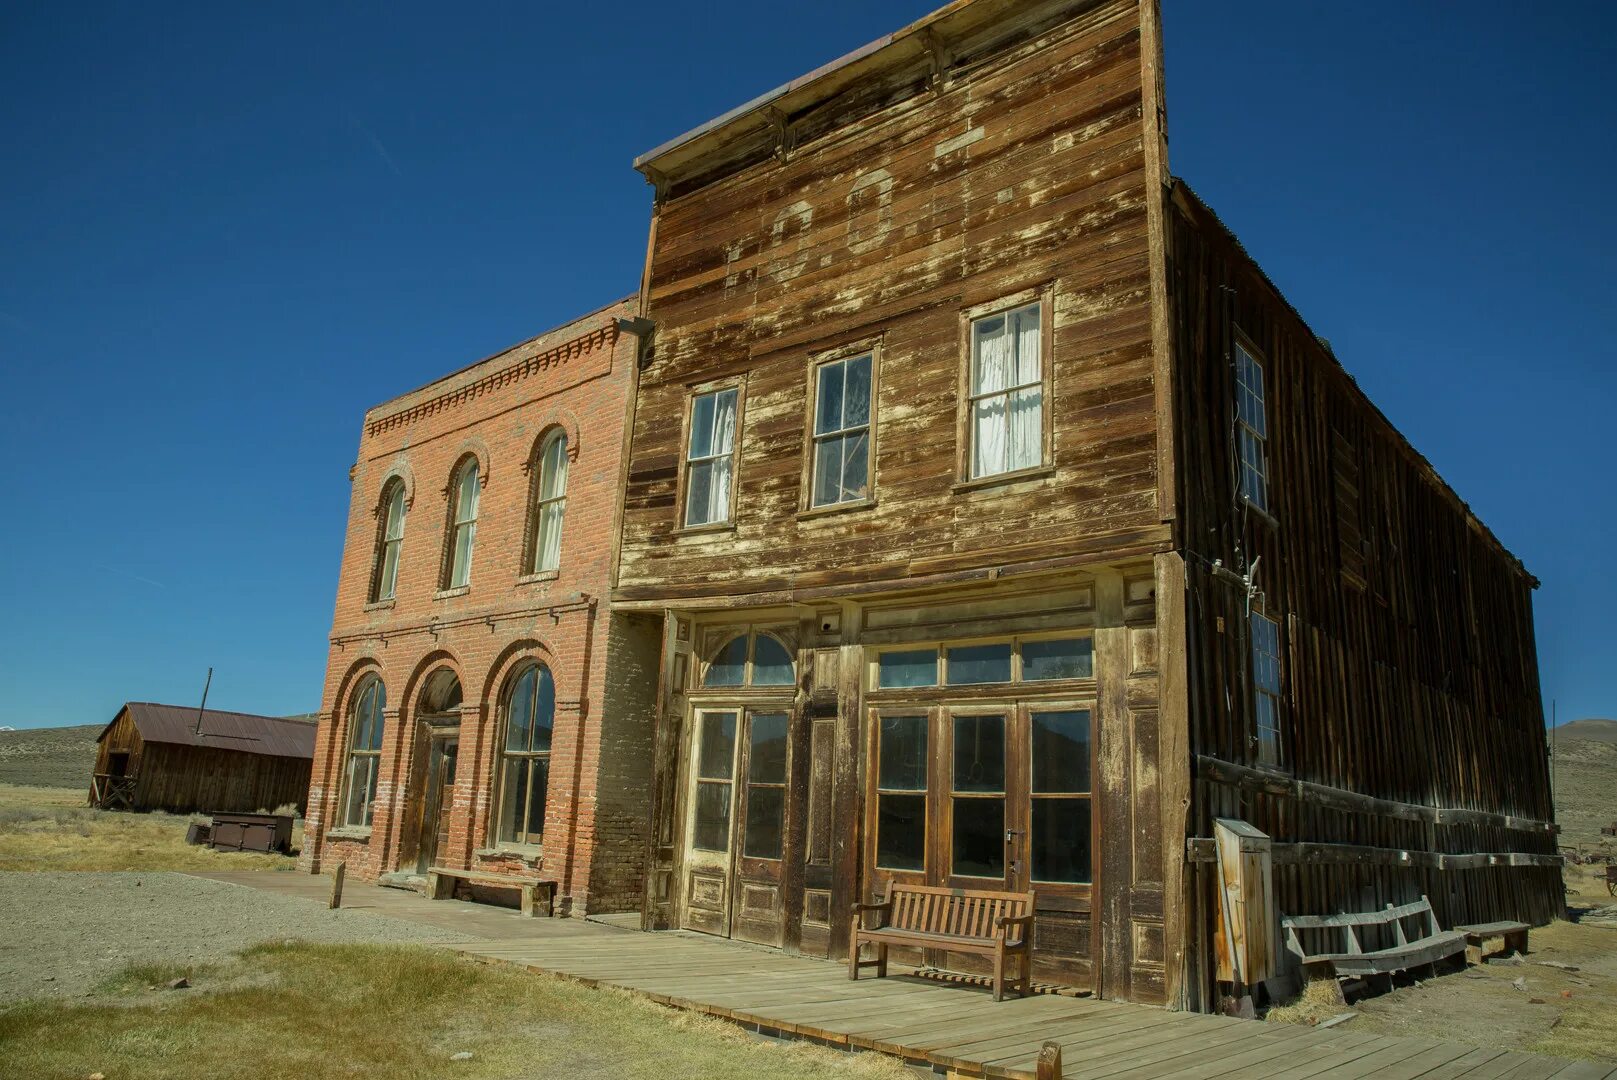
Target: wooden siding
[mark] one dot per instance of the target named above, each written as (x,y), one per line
(1409,666)
(1026,173)
(182,779)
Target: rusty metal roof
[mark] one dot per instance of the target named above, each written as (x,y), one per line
(273,736)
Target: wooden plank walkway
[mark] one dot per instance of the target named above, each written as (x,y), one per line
(951,1027)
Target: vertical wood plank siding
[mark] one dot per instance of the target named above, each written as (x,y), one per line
(1028,173)
(1410,669)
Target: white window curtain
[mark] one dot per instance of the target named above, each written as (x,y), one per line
(552,503)
(465,528)
(1007,393)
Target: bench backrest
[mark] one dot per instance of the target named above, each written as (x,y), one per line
(956,912)
(1351,926)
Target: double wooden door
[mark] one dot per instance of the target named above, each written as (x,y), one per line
(738,791)
(990,796)
(437,798)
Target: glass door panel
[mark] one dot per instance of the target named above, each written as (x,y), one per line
(1059,797)
(977,796)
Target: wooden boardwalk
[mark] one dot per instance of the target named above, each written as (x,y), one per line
(948,1026)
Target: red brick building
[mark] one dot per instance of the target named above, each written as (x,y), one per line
(467,719)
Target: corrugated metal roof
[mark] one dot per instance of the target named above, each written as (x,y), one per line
(274,736)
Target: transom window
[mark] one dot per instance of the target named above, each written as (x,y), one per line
(1017,660)
(392,539)
(1252,428)
(462,524)
(841,431)
(550,503)
(710,457)
(1006,415)
(751,660)
(530,715)
(364,752)
(1266,688)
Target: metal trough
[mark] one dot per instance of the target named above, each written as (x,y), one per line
(252,832)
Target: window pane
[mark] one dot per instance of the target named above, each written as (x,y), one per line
(701,427)
(828,407)
(378,703)
(460,572)
(1025,448)
(901,832)
(717,752)
(828,471)
(395,513)
(1268,746)
(712,832)
(989,435)
(724,422)
(513,798)
(1069,658)
(1061,751)
(970,664)
(856,392)
(466,504)
(990,355)
(547,546)
(359,721)
(979,753)
(729,668)
(771,663)
(1059,845)
(766,816)
(855,466)
(538,788)
(390,570)
(544,710)
(553,469)
(718,495)
(766,762)
(979,838)
(519,721)
(914,668)
(699,494)
(902,753)
(358,810)
(1027,344)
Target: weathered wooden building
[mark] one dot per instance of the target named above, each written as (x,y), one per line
(167,757)
(1008,527)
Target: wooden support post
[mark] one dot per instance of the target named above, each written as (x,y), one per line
(336,884)
(1049,1067)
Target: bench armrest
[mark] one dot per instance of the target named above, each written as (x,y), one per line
(885,907)
(1006,921)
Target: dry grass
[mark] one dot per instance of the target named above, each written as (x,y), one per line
(298,1011)
(53,829)
(1320,1000)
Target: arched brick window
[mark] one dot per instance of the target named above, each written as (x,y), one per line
(549,502)
(389,541)
(529,712)
(464,489)
(364,752)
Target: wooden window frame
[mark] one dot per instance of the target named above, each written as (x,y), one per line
(1243,344)
(454,525)
(752,634)
(497,838)
(1091,705)
(1018,685)
(537,503)
(1276,696)
(1044,296)
(388,545)
(929,718)
(948,794)
(850,351)
(350,753)
(739,385)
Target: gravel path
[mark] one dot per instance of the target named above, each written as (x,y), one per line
(61,933)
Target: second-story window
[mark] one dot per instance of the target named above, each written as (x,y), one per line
(841,431)
(462,524)
(1252,428)
(551,503)
(392,539)
(1006,392)
(710,458)
(1266,688)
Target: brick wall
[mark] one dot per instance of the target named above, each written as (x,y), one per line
(577,378)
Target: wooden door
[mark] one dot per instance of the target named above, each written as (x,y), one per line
(740,762)
(757,906)
(439,796)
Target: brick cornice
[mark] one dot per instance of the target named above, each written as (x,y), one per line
(602,337)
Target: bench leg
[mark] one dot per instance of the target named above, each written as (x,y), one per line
(881,960)
(1027,971)
(440,887)
(999,973)
(527,900)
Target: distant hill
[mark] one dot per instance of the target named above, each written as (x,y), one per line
(49,757)
(1586,783)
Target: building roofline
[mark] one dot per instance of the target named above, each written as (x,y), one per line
(1182,187)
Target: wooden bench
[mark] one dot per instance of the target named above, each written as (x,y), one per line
(1406,952)
(1511,935)
(955,920)
(441,886)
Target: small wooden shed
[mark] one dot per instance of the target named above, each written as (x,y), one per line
(160,757)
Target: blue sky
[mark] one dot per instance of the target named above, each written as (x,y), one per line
(229,229)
